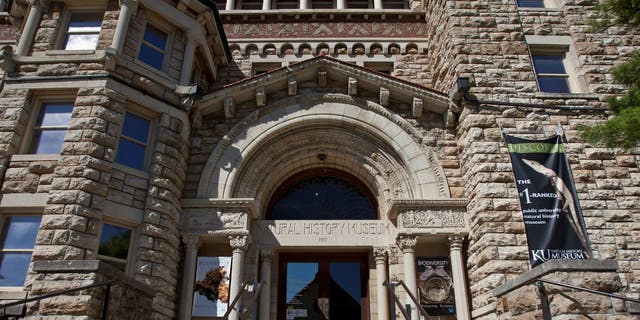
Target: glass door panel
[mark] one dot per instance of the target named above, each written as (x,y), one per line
(302,291)
(345,290)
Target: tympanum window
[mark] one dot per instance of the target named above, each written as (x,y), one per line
(332,196)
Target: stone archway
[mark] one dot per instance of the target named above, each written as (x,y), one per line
(357,136)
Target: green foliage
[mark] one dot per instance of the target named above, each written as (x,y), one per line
(623,128)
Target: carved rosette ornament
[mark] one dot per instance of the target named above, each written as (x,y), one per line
(239,242)
(407,243)
(455,242)
(380,254)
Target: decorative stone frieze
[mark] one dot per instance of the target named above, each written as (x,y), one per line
(431,219)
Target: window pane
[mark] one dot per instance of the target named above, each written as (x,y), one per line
(81,42)
(85,22)
(155,37)
(398,4)
(553,84)
(531,3)
(151,56)
(48,141)
(130,154)
(287,4)
(548,63)
(13,268)
(55,114)
(114,241)
(136,127)
(20,232)
(358,4)
(320,4)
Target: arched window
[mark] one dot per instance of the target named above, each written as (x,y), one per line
(322,195)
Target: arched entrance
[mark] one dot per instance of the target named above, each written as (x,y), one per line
(327,255)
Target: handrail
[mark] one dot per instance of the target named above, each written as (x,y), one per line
(235,300)
(105,302)
(413,298)
(611,295)
(253,299)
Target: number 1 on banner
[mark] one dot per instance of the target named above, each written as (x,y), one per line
(526,194)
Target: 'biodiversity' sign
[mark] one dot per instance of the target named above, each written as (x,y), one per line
(552,216)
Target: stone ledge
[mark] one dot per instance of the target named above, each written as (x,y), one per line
(555,266)
(87,266)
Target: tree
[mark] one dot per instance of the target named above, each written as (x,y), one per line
(623,128)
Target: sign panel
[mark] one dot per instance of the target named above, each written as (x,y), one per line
(211,289)
(321,232)
(552,216)
(435,285)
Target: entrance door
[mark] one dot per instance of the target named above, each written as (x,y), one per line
(323,286)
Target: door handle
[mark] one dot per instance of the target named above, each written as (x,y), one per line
(323,305)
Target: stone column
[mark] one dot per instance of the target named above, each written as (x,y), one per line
(377,4)
(191,244)
(407,244)
(266,255)
(266,4)
(304,4)
(380,255)
(341,4)
(239,245)
(187,60)
(231,4)
(459,281)
(30,27)
(127,7)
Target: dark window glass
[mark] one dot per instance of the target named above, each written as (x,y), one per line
(323,197)
(133,141)
(344,287)
(396,4)
(553,84)
(221,4)
(287,5)
(531,3)
(358,4)
(251,5)
(51,127)
(114,245)
(319,4)
(549,63)
(154,45)
(18,238)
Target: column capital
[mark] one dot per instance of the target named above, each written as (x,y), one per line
(38,3)
(266,254)
(455,242)
(238,242)
(380,253)
(191,241)
(128,3)
(407,243)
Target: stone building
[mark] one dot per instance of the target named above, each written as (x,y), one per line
(324,146)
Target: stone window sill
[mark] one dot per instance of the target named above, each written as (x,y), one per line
(68,52)
(131,171)
(525,9)
(545,95)
(35,157)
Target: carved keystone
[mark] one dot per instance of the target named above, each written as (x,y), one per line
(384,96)
(293,86)
(229,108)
(261,98)
(322,78)
(416,108)
(352,87)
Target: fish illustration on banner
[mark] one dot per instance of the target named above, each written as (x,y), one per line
(553,220)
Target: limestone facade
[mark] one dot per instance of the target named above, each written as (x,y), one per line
(242,101)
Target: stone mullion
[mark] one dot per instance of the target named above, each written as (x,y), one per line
(158,255)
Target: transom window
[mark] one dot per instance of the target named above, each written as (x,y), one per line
(154,47)
(133,142)
(321,4)
(287,4)
(114,245)
(331,195)
(251,5)
(83,31)
(551,73)
(17,239)
(358,4)
(50,127)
